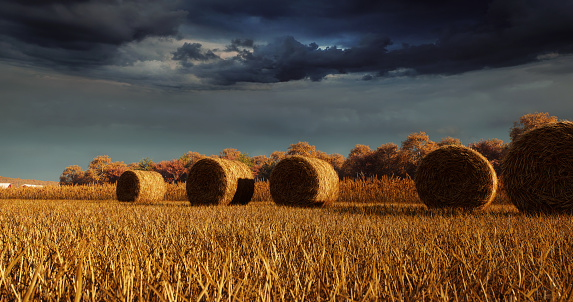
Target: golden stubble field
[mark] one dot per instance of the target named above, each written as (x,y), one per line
(72,250)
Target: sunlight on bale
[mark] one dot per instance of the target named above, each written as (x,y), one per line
(140,186)
(304,181)
(537,171)
(455,177)
(217,181)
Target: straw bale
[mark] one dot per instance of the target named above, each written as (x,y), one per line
(537,171)
(217,181)
(303,181)
(140,186)
(455,177)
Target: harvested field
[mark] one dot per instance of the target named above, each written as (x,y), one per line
(355,190)
(170,251)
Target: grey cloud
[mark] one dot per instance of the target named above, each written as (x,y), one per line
(236,43)
(286,59)
(193,52)
(330,19)
(391,38)
(76,33)
(509,33)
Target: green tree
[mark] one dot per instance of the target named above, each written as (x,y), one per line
(245,159)
(145,164)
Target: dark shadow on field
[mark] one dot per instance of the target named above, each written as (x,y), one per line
(418,210)
(245,191)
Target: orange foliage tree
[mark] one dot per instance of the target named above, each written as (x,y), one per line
(72,175)
(530,121)
(172,171)
(414,148)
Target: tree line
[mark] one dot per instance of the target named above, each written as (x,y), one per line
(386,160)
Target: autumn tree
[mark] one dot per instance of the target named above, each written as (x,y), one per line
(302,149)
(385,159)
(190,158)
(278,155)
(359,162)
(450,141)
(96,172)
(260,166)
(230,153)
(530,121)
(72,175)
(264,165)
(267,164)
(113,171)
(92,177)
(172,171)
(414,148)
(335,160)
(98,165)
(493,149)
(364,162)
(234,154)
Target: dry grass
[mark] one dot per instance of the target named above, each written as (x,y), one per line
(95,251)
(87,192)
(378,190)
(360,190)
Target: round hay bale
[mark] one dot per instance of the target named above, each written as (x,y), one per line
(537,171)
(303,181)
(140,186)
(217,181)
(455,177)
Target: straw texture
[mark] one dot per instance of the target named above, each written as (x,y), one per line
(537,171)
(303,181)
(455,177)
(140,186)
(216,181)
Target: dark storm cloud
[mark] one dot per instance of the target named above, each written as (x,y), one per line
(193,52)
(286,59)
(329,19)
(243,43)
(506,33)
(87,31)
(377,38)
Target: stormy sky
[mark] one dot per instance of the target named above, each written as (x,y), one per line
(141,78)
